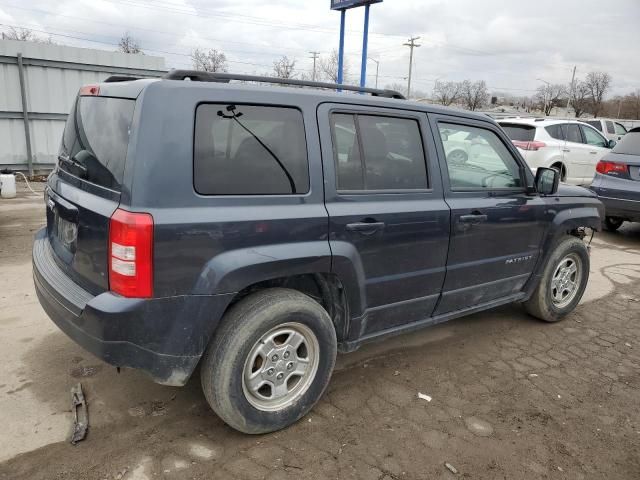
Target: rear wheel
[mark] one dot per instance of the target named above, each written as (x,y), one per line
(612,223)
(561,171)
(270,361)
(563,281)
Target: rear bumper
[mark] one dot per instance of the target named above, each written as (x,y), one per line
(165,337)
(620,207)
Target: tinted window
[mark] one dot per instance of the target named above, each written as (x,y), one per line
(593,138)
(629,144)
(620,130)
(346,150)
(378,153)
(514,131)
(95,140)
(595,124)
(477,158)
(610,128)
(573,133)
(557,131)
(249,150)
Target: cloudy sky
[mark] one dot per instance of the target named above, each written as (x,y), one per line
(510,44)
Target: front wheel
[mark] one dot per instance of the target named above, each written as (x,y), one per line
(563,281)
(612,223)
(270,360)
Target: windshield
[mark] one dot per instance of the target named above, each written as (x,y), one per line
(95,140)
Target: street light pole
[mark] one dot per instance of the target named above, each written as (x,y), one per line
(411,43)
(377,68)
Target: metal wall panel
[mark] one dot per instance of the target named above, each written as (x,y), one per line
(53,74)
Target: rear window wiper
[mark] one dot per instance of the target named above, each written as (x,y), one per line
(74,164)
(234,115)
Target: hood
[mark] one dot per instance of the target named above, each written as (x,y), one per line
(566,190)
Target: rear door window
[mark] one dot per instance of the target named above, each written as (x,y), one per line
(375,152)
(250,150)
(95,140)
(573,133)
(514,131)
(595,124)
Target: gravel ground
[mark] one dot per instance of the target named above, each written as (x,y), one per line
(511,397)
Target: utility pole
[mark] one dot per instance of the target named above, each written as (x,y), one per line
(377,68)
(314,55)
(573,79)
(411,43)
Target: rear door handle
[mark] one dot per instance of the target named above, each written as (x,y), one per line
(473,218)
(365,228)
(593,153)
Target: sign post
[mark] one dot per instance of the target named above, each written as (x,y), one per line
(343,6)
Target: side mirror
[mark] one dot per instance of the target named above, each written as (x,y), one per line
(611,143)
(547,180)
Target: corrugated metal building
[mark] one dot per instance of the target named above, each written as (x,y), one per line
(51,77)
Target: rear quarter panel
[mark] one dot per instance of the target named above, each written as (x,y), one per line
(208,244)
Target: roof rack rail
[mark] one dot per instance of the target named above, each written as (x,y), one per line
(120,78)
(199,76)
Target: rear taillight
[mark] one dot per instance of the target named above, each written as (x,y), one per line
(606,168)
(89,91)
(533,145)
(131,254)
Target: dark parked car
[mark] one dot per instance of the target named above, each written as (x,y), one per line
(257,231)
(617,181)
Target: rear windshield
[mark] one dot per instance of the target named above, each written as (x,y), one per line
(515,131)
(629,144)
(95,140)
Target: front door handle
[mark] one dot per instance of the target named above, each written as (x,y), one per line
(473,218)
(365,228)
(593,153)
(566,150)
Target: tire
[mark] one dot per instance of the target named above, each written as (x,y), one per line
(549,302)
(559,168)
(457,157)
(612,223)
(254,345)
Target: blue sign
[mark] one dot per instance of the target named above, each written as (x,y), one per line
(344,4)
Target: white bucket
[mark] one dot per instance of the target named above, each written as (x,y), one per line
(8,185)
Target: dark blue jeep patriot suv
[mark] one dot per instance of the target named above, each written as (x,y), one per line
(257,230)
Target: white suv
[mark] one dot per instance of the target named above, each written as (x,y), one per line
(573,148)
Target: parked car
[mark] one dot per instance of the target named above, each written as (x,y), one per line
(617,181)
(257,231)
(571,147)
(609,128)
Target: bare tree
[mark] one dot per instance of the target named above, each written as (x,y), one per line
(329,68)
(446,93)
(128,44)
(598,84)
(397,87)
(25,35)
(284,68)
(209,60)
(550,95)
(474,94)
(580,99)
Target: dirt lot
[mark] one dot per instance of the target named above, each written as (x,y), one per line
(512,397)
